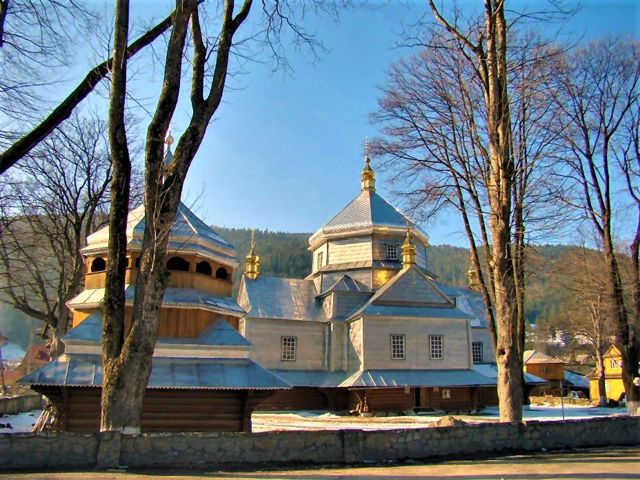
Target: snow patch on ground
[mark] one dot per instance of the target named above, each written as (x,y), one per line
(20,422)
(315,420)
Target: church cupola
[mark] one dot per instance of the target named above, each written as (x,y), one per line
(473,275)
(408,251)
(368,175)
(168,155)
(252,261)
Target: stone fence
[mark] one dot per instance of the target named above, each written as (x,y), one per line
(58,451)
(22,403)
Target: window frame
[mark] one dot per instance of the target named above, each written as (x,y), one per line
(473,352)
(288,352)
(433,354)
(391,248)
(395,354)
(319,260)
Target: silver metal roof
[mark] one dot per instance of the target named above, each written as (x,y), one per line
(85,370)
(89,330)
(312,378)
(410,294)
(409,311)
(173,297)
(418,378)
(576,379)
(366,211)
(219,333)
(188,233)
(491,370)
(280,298)
(386,378)
(348,284)
(469,302)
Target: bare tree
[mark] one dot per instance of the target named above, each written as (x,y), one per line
(599,93)
(127,355)
(448,125)
(20,144)
(589,316)
(51,203)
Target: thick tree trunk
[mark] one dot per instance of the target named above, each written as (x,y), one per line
(626,339)
(602,386)
(508,353)
(121,398)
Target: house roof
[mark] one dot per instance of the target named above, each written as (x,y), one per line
(491,370)
(533,356)
(280,298)
(365,212)
(173,297)
(85,370)
(12,353)
(576,379)
(188,234)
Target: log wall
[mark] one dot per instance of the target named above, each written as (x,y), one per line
(162,410)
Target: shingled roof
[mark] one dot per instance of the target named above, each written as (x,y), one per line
(366,211)
(189,234)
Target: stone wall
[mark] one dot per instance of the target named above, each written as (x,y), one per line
(107,450)
(23,403)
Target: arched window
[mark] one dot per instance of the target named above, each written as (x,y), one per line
(98,265)
(221,273)
(178,263)
(204,268)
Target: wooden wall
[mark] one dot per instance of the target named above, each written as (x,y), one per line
(548,371)
(163,410)
(383,399)
(265,336)
(377,354)
(174,322)
(300,398)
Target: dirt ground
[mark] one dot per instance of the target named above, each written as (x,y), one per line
(612,464)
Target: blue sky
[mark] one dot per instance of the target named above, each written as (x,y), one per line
(285,151)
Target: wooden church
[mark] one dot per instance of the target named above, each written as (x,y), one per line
(202,376)
(369,329)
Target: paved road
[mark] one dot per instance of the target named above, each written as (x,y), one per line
(612,464)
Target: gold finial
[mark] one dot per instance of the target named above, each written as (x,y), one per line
(169,139)
(252,261)
(368,175)
(408,251)
(473,275)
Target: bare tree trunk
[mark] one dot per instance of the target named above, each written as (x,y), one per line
(602,385)
(121,397)
(508,353)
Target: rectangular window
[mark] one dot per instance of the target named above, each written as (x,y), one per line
(392,252)
(320,258)
(436,347)
(446,394)
(616,364)
(289,349)
(476,352)
(397,347)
